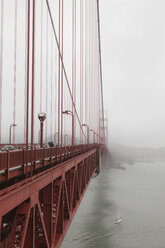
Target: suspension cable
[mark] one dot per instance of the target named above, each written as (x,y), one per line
(46,124)
(32,95)
(64,70)
(1,66)
(41,56)
(98,16)
(15,70)
(62,30)
(25,86)
(59,67)
(51,105)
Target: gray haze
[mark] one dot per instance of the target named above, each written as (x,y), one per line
(133,60)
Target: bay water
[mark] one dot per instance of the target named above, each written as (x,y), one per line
(138,193)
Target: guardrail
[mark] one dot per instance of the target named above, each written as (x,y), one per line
(47,203)
(25,163)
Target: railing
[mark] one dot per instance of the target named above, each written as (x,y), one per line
(47,203)
(26,163)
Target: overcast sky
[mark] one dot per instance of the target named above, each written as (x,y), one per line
(133,60)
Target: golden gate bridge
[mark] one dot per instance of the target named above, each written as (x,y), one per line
(52,130)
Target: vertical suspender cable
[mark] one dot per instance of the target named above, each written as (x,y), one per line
(15,70)
(75,72)
(32,95)
(86,60)
(62,24)
(46,124)
(72,69)
(56,94)
(51,104)
(81,64)
(82,102)
(1,67)
(27,83)
(41,56)
(93,83)
(89,66)
(26,54)
(59,75)
(25,86)
(81,3)
(90,61)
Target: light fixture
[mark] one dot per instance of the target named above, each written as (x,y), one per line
(41,116)
(12,125)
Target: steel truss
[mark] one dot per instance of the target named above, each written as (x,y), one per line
(37,212)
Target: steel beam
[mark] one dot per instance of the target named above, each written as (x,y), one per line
(42,207)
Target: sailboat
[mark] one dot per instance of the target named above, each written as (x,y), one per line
(118,220)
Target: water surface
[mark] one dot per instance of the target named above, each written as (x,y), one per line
(138,193)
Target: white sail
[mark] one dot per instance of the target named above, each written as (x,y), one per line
(118,219)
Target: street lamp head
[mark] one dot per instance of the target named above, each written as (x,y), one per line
(13,125)
(65,112)
(85,125)
(41,116)
(68,112)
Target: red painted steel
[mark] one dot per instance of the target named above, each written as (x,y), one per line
(41,187)
(15,164)
(27,84)
(1,63)
(15,71)
(39,211)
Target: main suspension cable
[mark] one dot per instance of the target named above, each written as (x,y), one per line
(98,16)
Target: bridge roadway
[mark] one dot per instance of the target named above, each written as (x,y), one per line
(40,192)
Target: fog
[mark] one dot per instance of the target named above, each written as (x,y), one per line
(52,88)
(133,61)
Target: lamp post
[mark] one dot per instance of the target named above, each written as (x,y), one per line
(93,135)
(55,140)
(12,125)
(77,141)
(65,143)
(85,125)
(68,112)
(41,117)
(97,138)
